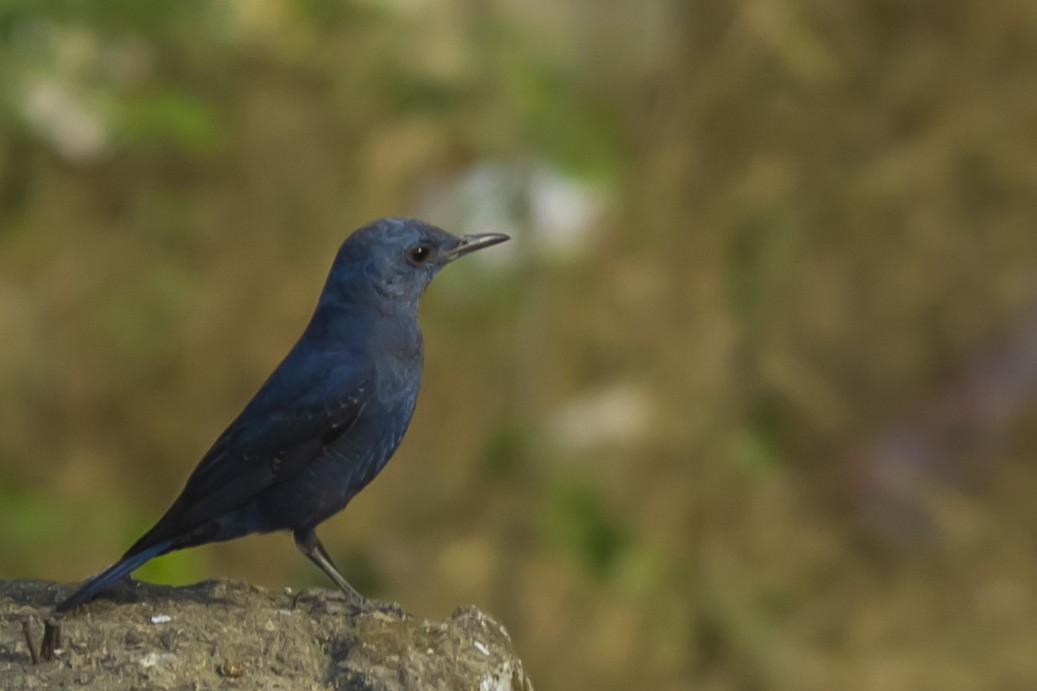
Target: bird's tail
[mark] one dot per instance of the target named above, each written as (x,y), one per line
(113,573)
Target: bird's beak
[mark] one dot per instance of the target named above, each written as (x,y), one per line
(471,243)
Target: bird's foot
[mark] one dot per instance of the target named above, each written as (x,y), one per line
(371,606)
(346,603)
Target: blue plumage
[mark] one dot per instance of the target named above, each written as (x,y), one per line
(328,418)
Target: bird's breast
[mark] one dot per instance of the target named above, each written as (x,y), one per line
(398,360)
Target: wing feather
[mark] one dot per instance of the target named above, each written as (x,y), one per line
(285,427)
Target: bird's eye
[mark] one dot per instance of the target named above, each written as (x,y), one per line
(419,254)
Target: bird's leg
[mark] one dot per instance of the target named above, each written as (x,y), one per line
(307,542)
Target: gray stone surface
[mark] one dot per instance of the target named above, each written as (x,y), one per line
(228,634)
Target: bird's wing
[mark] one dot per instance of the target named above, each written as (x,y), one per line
(298,412)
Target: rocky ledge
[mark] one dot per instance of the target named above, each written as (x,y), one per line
(229,634)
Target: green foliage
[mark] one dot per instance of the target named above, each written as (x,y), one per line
(138,316)
(505,453)
(169,117)
(753,452)
(761,257)
(33,519)
(569,124)
(178,568)
(152,16)
(580,522)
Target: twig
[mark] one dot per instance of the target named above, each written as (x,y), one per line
(51,638)
(27,632)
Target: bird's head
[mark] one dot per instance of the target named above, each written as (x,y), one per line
(392,260)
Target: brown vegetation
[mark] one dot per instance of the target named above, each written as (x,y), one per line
(796,340)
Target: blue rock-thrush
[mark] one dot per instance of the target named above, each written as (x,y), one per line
(328,418)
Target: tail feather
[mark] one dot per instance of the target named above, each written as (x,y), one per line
(112,574)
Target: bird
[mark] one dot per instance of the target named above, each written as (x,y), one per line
(328,418)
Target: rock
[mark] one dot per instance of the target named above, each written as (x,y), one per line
(228,634)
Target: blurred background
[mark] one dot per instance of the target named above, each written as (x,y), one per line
(748,402)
